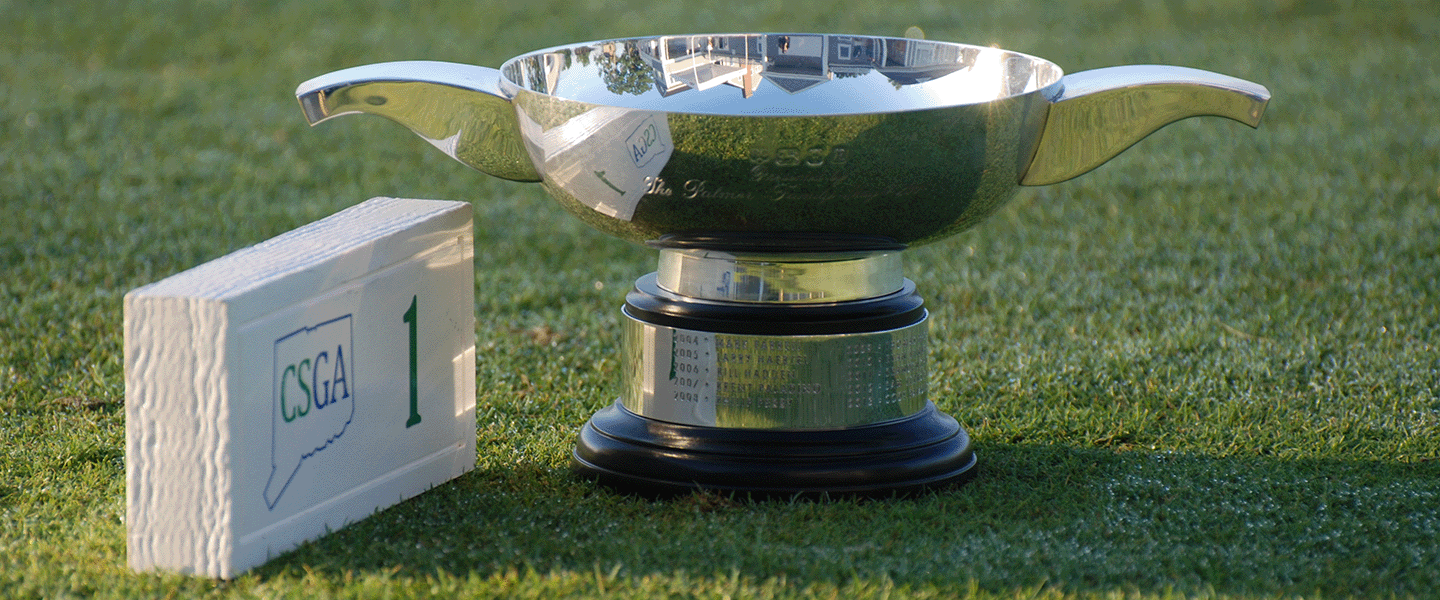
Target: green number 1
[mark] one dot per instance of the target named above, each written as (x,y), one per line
(410,317)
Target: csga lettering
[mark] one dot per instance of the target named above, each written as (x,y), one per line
(313,402)
(318,392)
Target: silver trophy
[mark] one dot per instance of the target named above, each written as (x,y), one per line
(778,348)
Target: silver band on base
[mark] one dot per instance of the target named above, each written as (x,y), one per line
(773,382)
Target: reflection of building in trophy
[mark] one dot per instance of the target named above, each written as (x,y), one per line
(555,62)
(543,75)
(852,56)
(798,62)
(792,63)
(907,62)
(702,62)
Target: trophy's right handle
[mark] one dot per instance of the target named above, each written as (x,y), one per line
(457,108)
(1101,112)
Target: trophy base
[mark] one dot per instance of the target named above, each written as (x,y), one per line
(634,454)
(773,371)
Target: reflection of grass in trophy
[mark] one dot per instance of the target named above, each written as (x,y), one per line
(863,174)
(910,176)
(550,112)
(915,176)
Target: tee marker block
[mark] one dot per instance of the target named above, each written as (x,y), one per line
(299,385)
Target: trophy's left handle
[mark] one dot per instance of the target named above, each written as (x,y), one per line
(457,108)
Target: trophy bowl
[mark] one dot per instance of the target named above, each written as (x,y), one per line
(778,348)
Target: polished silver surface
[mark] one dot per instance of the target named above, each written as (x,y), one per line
(773,382)
(1132,102)
(780,278)
(780,134)
(457,108)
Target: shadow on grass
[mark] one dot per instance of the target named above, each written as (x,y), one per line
(1075,519)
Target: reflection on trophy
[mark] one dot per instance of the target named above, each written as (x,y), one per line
(778,347)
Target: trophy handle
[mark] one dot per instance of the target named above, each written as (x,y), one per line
(457,108)
(1097,114)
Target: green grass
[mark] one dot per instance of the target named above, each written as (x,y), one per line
(1208,368)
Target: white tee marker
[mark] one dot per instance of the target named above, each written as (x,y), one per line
(299,385)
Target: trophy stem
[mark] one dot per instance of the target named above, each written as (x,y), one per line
(776,374)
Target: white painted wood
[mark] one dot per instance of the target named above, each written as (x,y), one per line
(224,469)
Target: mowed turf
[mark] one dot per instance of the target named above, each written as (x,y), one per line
(1208,368)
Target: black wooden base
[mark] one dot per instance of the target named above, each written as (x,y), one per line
(634,454)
